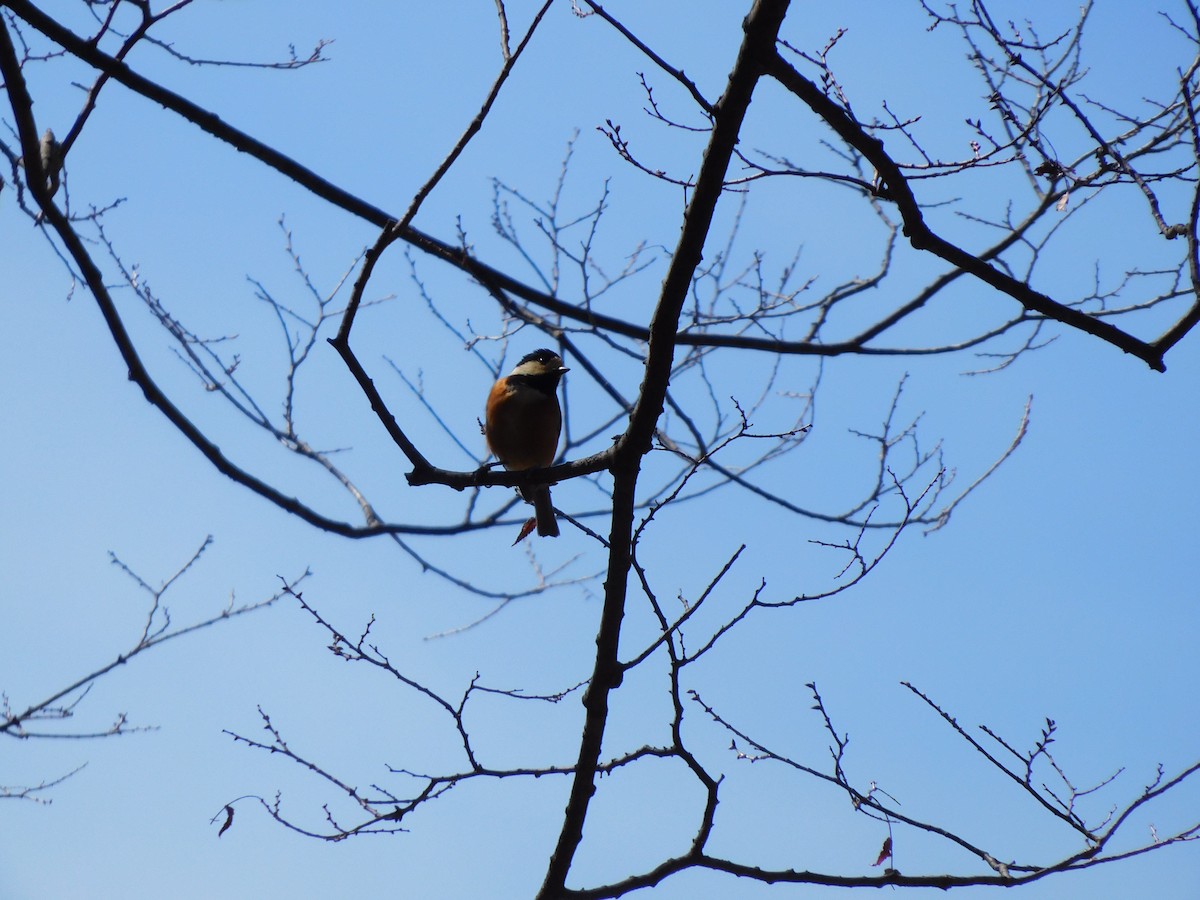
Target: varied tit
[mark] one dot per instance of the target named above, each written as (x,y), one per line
(523,422)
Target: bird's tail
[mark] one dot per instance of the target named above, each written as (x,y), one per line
(543,509)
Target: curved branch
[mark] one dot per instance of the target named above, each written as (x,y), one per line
(922,237)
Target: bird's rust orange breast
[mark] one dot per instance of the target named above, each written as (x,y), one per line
(522,426)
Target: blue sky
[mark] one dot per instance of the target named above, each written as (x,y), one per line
(1062,588)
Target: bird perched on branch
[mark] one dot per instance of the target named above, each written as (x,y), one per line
(51,153)
(522,425)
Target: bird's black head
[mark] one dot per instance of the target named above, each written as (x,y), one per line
(540,364)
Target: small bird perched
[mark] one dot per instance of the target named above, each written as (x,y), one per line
(523,422)
(51,153)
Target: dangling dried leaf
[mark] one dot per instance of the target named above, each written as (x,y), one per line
(526,529)
(885,852)
(228,821)
(1063,201)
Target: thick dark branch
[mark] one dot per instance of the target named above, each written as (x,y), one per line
(923,237)
(423,473)
(761,29)
(197,115)
(448,253)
